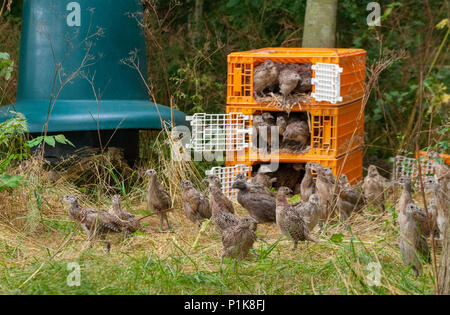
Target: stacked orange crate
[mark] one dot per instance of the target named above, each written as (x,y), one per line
(335,116)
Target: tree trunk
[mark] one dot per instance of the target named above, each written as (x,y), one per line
(198,14)
(320,24)
(444,271)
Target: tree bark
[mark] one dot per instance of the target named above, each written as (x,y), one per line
(320,24)
(444,271)
(198,15)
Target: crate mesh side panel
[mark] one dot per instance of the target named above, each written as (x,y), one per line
(227,177)
(327,82)
(408,167)
(219,132)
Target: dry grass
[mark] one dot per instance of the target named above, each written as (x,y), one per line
(276,100)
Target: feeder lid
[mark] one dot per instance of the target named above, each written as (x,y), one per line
(89,56)
(73,115)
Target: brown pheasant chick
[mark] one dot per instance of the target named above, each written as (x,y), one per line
(442,172)
(297,131)
(195,205)
(310,211)
(424,221)
(264,76)
(262,179)
(95,222)
(132,224)
(373,187)
(261,206)
(263,124)
(308,185)
(214,180)
(158,199)
(325,189)
(439,207)
(413,245)
(253,186)
(281,124)
(288,80)
(289,221)
(405,198)
(221,217)
(349,198)
(238,240)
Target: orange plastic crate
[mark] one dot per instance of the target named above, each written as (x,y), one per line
(349,164)
(241,66)
(334,131)
(446,157)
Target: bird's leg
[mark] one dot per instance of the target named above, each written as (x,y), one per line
(108,246)
(167,221)
(254,253)
(322,226)
(234,265)
(291,98)
(295,245)
(284,100)
(126,235)
(86,230)
(221,263)
(91,236)
(161,223)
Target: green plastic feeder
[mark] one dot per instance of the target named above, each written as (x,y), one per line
(64,45)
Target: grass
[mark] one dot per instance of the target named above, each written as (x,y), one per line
(35,261)
(38,241)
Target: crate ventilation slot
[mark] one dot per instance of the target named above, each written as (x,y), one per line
(227,177)
(219,132)
(327,82)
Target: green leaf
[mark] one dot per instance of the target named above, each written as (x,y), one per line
(63,140)
(35,142)
(337,238)
(6,66)
(295,199)
(8,181)
(4,55)
(50,140)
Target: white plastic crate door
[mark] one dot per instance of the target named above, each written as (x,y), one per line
(327,82)
(227,176)
(407,167)
(218,132)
